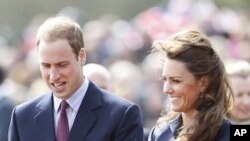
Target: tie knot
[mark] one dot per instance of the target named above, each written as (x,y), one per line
(64,105)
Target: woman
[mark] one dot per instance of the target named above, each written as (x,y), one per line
(197,88)
(239,76)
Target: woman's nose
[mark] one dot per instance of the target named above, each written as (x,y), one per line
(167,88)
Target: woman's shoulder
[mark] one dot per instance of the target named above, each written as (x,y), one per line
(224,131)
(159,128)
(158,131)
(164,130)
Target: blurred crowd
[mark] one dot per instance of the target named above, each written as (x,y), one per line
(123,47)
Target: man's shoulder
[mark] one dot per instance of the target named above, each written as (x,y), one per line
(112,98)
(30,104)
(5,101)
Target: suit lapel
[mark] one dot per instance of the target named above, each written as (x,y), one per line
(86,116)
(45,119)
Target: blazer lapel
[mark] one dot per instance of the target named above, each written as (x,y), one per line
(45,119)
(86,117)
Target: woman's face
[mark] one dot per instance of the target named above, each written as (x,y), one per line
(181,86)
(241,89)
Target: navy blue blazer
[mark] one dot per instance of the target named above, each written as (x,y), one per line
(101,117)
(6,107)
(167,132)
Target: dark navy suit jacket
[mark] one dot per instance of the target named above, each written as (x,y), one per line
(101,117)
(6,107)
(167,132)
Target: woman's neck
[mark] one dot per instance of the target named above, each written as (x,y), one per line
(188,118)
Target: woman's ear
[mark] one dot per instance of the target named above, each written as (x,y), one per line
(204,81)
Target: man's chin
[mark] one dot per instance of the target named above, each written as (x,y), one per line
(59,95)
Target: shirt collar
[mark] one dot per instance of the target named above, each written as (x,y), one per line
(175,125)
(75,100)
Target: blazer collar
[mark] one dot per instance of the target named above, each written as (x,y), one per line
(86,116)
(84,121)
(175,124)
(44,118)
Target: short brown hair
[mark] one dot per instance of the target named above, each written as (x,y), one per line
(61,27)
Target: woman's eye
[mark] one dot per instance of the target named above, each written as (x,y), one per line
(163,78)
(45,65)
(176,81)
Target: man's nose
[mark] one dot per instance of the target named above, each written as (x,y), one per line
(54,74)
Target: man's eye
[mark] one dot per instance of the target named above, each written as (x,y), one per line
(63,65)
(239,95)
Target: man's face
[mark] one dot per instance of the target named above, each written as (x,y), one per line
(59,67)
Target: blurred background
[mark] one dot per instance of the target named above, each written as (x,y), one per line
(15,16)
(118,35)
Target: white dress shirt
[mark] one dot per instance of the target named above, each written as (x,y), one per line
(74,103)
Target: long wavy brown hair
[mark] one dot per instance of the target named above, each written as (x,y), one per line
(195,50)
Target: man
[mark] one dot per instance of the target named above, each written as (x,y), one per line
(99,75)
(6,106)
(87,113)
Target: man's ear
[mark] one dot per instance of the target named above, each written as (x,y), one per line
(82,56)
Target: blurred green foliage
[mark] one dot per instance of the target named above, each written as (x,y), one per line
(241,4)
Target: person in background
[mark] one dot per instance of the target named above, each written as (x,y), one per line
(6,107)
(75,109)
(197,88)
(99,75)
(239,76)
